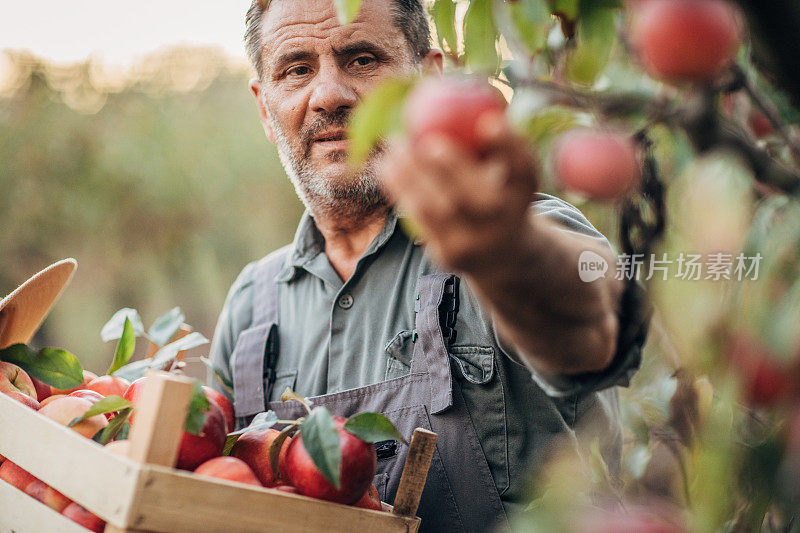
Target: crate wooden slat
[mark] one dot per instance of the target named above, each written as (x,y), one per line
(21,514)
(134,496)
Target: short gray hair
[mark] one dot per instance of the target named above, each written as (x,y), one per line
(408,15)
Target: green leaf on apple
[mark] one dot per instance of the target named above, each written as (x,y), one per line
(117,427)
(109,404)
(321,441)
(377,116)
(112,330)
(125,347)
(54,367)
(196,414)
(165,326)
(372,427)
(347,10)
(443,13)
(261,421)
(480,37)
(164,356)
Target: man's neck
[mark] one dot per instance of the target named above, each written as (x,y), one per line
(346,240)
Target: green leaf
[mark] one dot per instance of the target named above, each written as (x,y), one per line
(372,427)
(117,427)
(532,22)
(443,13)
(112,330)
(275,448)
(379,114)
(196,414)
(321,441)
(595,37)
(549,123)
(166,326)
(109,404)
(57,368)
(480,35)
(260,421)
(347,10)
(135,370)
(125,346)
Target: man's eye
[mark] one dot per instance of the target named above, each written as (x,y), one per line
(363,61)
(300,70)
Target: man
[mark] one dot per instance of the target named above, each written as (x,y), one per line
(359,316)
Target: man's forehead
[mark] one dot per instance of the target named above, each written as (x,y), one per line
(293,20)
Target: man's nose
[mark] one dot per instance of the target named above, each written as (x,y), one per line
(332,92)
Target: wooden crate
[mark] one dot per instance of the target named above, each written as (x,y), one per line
(133,494)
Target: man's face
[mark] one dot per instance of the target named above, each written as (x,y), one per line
(315,72)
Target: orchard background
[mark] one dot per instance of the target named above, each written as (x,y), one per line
(159,181)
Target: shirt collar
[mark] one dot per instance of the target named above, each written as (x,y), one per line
(309,243)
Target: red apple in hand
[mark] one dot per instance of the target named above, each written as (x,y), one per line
(357,469)
(80,515)
(14,379)
(685,40)
(600,164)
(224,403)
(452,107)
(229,468)
(252,447)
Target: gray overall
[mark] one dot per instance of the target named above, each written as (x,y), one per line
(460,494)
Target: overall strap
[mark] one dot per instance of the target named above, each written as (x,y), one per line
(436,312)
(257,347)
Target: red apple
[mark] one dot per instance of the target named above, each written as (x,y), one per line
(42,389)
(600,164)
(25,400)
(194,449)
(52,398)
(370,500)
(14,379)
(87,377)
(252,447)
(80,515)
(86,394)
(224,403)
(64,410)
(452,107)
(357,469)
(765,381)
(685,40)
(229,468)
(109,385)
(13,474)
(46,494)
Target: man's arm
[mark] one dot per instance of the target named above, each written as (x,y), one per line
(477,221)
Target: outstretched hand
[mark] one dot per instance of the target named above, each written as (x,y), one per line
(472,208)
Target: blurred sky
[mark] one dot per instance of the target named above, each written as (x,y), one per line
(119,32)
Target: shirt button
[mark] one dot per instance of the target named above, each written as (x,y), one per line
(345,301)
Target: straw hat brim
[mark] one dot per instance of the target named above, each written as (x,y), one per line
(22,311)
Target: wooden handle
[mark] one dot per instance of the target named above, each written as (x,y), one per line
(415,472)
(160,417)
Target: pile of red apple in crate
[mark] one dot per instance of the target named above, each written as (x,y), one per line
(317,455)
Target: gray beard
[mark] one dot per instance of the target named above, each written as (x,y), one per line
(358,196)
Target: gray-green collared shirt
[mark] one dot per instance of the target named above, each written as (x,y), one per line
(337,335)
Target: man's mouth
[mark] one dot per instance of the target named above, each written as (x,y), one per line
(331,136)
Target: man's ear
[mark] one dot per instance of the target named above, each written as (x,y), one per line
(263,112)
(432,63)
